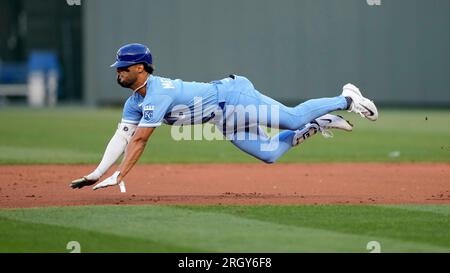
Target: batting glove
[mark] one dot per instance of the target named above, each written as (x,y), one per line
(82,182)
(110,181)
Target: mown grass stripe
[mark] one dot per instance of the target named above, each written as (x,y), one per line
(437,209)
(213,231)
(89,130)
(15,155)
(25,237)
(394,222)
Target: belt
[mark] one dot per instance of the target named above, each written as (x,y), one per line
(222,88)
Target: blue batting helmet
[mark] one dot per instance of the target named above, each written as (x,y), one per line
(132,54)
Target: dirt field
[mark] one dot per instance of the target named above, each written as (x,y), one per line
(48,185)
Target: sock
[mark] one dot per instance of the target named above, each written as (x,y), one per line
(349,102)
(306,132)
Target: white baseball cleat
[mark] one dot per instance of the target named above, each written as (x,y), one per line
(360,105)
(323,125)
(329,121)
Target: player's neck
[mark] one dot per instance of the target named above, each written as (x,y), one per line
(140,85)
(142,91)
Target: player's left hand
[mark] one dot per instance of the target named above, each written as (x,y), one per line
(110,181)
(82,182)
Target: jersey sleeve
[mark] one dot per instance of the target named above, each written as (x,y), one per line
(131,112)
(154,110)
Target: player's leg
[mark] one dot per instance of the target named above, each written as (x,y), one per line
(274,114)
(255,142)
(292,118)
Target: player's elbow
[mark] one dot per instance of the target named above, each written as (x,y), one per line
(142,135)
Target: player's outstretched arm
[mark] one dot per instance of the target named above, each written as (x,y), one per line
(114,150)
(133,152)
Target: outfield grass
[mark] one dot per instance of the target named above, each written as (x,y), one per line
(227,228)
(78,135)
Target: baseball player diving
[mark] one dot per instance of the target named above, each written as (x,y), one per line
(156,100)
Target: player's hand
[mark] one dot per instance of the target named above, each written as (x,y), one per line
(110,181)
(82,182)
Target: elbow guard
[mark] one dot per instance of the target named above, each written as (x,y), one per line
(126,130)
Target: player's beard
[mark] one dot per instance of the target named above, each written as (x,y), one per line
(124,84)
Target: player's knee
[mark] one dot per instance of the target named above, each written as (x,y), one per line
(268,159)
(293,126)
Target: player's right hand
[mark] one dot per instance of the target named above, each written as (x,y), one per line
(110,181)
(82,182)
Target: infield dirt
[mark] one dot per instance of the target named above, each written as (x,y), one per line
(255,184)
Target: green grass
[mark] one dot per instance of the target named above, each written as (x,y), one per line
(78,135)
(226,228)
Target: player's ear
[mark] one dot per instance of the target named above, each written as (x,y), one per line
(140,68)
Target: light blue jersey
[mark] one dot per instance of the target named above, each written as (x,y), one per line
(171,102)
(176,102)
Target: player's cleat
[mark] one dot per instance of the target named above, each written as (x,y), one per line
(304,133)
(360,105)
(82,182)
(328,121)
